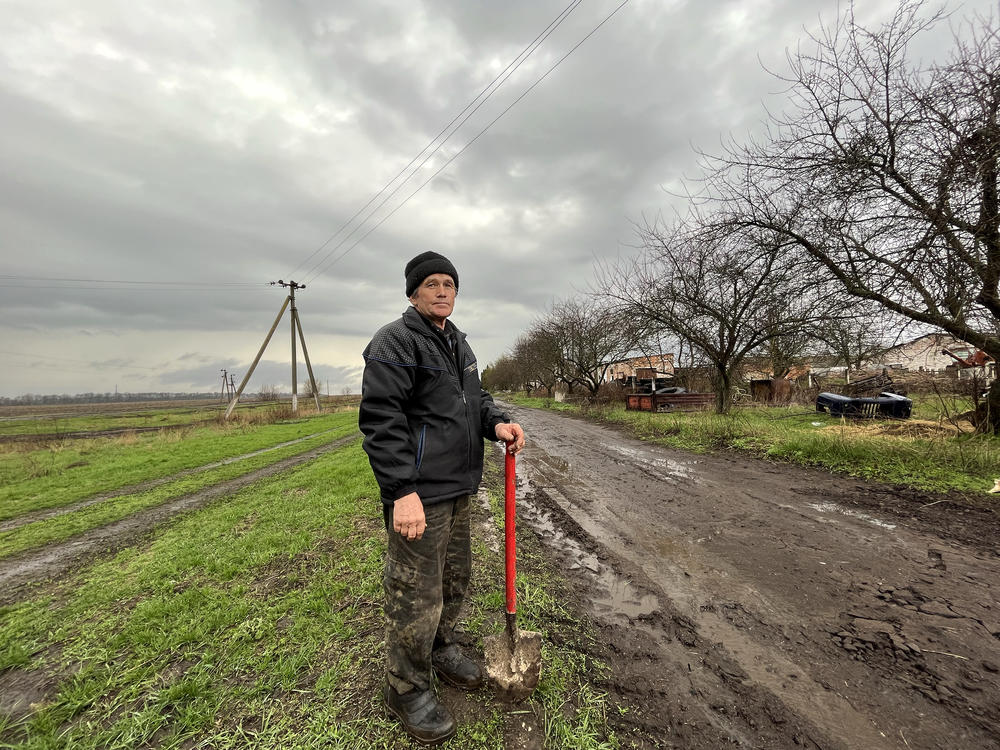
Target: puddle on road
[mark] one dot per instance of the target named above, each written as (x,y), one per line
(834,508)
(664,468)
(551,475)
(613,595)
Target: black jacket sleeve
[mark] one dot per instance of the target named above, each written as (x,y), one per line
(386,388)
(490,415)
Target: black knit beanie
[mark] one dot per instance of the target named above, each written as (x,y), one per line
(423,266)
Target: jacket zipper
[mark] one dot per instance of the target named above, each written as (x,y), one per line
(456,359)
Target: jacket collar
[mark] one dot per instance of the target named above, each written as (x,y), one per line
(417,322)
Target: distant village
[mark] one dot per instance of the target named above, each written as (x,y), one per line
(922,360)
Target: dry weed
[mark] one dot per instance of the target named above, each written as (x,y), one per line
(129,438)
(260,415)
(912,429)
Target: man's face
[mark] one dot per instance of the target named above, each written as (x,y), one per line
(435,298)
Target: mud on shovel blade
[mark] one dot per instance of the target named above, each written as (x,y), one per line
(513,658)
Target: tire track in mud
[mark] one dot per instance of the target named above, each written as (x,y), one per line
(761,605)
(19,573)
(42,515)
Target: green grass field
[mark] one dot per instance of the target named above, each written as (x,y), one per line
(53,421)
(38,476)
(256,620)
(926,452)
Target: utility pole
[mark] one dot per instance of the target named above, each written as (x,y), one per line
(296,328)
(228,386)
(305,352)
(292,286)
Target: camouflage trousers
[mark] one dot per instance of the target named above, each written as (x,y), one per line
(425,582)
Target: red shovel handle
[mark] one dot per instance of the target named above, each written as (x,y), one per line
(510,553)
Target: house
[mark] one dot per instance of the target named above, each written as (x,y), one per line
(658,366)
(924,354)
(762,368)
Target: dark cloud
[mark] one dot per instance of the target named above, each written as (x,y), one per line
(221,143)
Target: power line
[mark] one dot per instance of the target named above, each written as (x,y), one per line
(321,268)
(512,66)
(130,282)
(123,281)
(124,289)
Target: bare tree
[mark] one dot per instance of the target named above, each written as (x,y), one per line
(268,392)
(857,334)
(786,345)
(886,172)
(539,355)
(724,294)
(590,336)
(506,374)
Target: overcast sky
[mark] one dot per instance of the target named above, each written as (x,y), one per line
(161,162)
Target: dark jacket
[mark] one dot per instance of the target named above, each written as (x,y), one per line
(424,413)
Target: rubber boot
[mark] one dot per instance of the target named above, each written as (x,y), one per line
(422,715)
(455,668)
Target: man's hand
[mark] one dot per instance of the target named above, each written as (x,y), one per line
(511,432)
(408,516)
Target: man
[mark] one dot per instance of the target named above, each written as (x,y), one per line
(424,416)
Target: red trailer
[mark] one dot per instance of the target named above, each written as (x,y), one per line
(664,402)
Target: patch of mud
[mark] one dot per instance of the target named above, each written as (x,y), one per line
(660,467)
(21,691)
(671,684)
(20,573)
(613,596)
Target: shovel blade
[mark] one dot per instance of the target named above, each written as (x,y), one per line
(514,661)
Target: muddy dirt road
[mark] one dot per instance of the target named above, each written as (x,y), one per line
(744,603)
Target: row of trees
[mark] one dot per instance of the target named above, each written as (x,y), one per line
(871,204)
(29,399)
(573,345)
